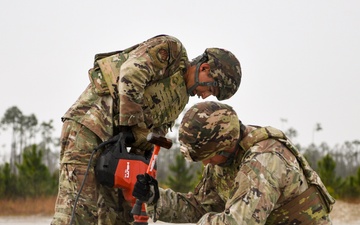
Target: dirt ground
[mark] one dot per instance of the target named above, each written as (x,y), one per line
(343,213)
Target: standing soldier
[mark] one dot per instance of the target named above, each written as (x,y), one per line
(253,175)
(138,90)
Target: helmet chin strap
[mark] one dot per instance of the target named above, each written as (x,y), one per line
(230,156)
(196,84)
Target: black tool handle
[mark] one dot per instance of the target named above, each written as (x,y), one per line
(136,210)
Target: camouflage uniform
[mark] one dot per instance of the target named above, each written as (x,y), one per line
(141,87)
(268,181)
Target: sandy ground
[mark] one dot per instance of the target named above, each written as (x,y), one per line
(342,214)
(346,213)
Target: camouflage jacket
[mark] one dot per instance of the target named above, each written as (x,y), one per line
(263,178)
(139,86)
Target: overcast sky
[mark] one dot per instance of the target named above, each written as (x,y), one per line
(300,59)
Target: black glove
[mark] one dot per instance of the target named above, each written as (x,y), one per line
(146,189)
(127,135)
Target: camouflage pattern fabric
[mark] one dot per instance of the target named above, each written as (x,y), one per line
(95,201)
(134,88)
(209,126)
(261,179)
(94,112)
(226,70)
(303,209)
(312,177)
(150,66)
(126,88)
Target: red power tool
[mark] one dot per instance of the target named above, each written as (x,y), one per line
(117,168)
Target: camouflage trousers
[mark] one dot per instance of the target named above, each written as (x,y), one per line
(97,204)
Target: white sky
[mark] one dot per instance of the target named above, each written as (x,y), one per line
(300,59)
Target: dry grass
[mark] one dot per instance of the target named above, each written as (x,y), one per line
(28,206)
(344,211)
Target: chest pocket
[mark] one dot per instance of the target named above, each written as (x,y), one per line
(164,100)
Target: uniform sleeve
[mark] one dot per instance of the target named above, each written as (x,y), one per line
(257,191)
(178,207)
(175,207)
(145,65)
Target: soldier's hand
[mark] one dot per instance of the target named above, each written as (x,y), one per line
(146,189)
(141,145)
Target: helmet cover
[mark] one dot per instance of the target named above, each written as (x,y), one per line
(207,128)
(226,70)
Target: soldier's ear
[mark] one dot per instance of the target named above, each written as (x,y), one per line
(205,66)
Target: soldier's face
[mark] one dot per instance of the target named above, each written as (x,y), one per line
(206,91)
(215,160)
(204,76)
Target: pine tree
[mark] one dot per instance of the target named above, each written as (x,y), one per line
(35,178)
(182,175)
(326,168)
(7,182)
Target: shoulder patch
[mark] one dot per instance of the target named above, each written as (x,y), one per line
(159,55)
(162,55)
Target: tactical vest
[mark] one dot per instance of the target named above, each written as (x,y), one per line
(106,67)
(307,206)
(169,103)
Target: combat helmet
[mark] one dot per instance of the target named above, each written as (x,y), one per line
(208,128)
(224,68)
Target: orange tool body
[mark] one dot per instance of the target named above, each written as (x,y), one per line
(119,169)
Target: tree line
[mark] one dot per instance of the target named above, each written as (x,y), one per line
(32,169)
(25,130)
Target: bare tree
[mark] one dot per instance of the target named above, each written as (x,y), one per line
(317,128)
(50,158)
(13,119)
